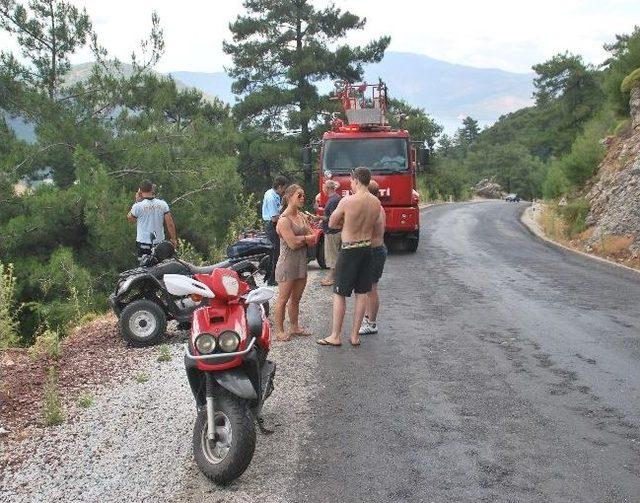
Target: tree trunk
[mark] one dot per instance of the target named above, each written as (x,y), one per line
(54,50)
(302,85)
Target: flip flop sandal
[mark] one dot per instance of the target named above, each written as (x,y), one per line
(355,344)
(326,283)
(325,342)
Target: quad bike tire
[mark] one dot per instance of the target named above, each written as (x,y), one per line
(142,323)
(232,412)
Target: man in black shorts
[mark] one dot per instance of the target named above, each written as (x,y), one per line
(357,215)
(378,258)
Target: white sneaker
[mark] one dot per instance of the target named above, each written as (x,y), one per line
(368,328)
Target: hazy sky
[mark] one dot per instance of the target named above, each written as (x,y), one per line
(492,33)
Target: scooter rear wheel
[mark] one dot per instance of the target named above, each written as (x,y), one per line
(227,457)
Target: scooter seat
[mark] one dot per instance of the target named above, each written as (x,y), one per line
(254,320)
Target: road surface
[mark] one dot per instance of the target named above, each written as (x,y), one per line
(505,370)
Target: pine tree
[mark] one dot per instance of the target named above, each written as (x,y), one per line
(48,31)
(280,49)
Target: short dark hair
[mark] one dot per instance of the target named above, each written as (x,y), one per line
(279,181)
(363,175)
(146,186)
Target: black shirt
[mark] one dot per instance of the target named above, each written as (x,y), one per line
(330,207)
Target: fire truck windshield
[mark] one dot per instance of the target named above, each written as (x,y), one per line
(377,154)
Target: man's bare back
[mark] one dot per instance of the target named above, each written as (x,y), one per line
(357,215)
(377,238)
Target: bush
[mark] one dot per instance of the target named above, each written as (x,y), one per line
(555,183)
(630,81)
(574,214)
(85,400)
(581,163)
(52,410)
(9,326)
(46,344)
(185,251)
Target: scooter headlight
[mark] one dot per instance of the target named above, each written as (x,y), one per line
(205,344)
(229,341)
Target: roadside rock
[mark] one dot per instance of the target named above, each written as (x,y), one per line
(489,189)
(615,197)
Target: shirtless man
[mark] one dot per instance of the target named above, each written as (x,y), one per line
(357,215)
(379,257)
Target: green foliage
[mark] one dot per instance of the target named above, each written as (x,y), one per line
(446,177)
(555,183)
(510,165)
(141,378)
(624,59)
(164,353)
(575,168)
(8,308)
(630,81)
(52,410)
(188,253)
(85,400)
(48,32)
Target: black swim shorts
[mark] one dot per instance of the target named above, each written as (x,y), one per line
(379,257)
(353,271)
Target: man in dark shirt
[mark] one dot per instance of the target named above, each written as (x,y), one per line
(331,236)
(271,207)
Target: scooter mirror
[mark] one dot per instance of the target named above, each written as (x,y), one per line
(259,295)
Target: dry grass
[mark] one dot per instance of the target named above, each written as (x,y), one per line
(553,225)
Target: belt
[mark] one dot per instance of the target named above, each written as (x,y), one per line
(348,245)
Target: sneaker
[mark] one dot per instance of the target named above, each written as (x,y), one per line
(368,328)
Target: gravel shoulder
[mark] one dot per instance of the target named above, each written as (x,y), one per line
(134,442)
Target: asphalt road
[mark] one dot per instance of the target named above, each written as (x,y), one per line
(505,370)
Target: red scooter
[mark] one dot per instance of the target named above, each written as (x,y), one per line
(227,366)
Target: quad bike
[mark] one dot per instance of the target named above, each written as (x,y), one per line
(143,304)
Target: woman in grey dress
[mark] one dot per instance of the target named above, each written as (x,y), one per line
(291,270)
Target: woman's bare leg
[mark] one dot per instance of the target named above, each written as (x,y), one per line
(284,293)
(294,307)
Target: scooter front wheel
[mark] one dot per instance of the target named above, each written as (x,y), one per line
(226,457)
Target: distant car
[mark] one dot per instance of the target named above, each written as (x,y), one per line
(512,198)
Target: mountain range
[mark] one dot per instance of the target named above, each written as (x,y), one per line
(447,91)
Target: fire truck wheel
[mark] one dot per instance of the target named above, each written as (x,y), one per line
(412,243)
(320,254)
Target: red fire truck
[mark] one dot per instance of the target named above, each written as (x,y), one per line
(366,139)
